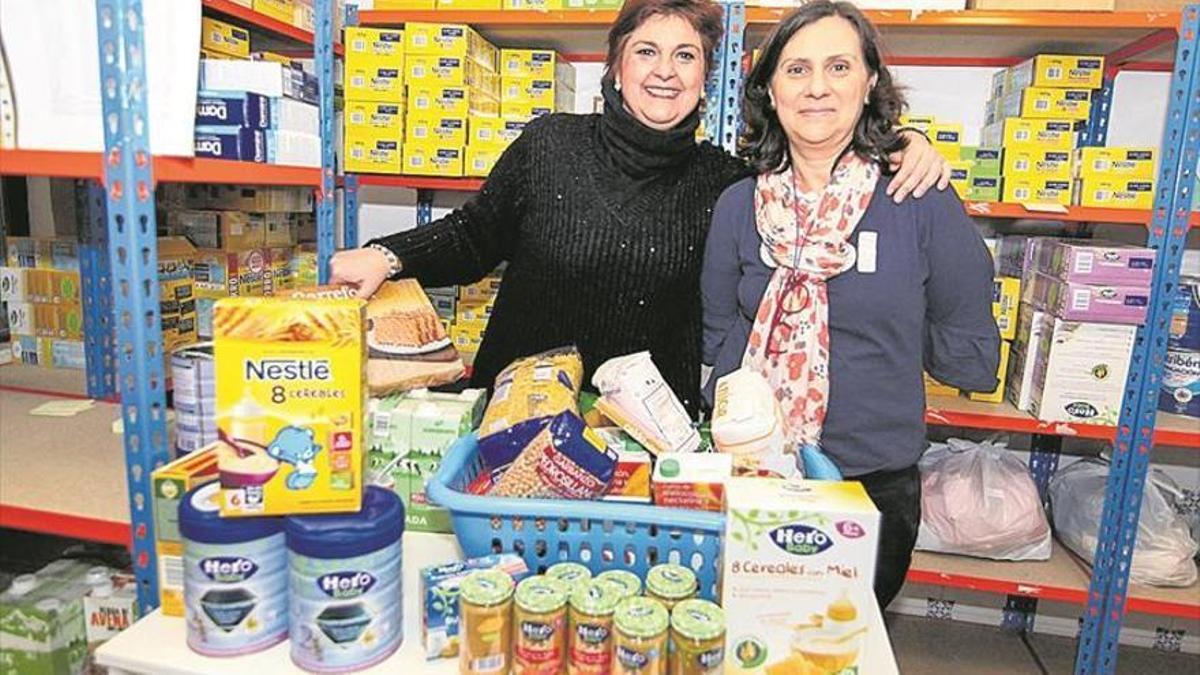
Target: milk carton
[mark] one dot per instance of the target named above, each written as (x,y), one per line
(798,569)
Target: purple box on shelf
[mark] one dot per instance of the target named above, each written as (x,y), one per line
(236,143)
(233,108)
(1089,302)
(1097,262)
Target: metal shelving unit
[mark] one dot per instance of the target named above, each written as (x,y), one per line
(120,248)
(1163,41)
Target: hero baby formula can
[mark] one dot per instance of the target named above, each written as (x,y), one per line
(235,578)
(346,591)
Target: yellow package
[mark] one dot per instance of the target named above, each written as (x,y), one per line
(450,39)
(435,128)
(372,153)
(432,159)
(467,336)
(1071,104)
(935,388)
(283,10)
(467,311)
(523,110)
(433,70)
(528,63)
(531,90)
(1059,70)
(481,160)
(374,47)
(1122,162)
(495,132)
(290,395)
(375,117)
(1031,159)
(922,122)
(445,100)
(960,176)
(170,483)
(483,290)
(997,395)
(1006,294)
(946,133)
(542,385)
(224,38)
(1056,134)
(1115,193)
(1029,189)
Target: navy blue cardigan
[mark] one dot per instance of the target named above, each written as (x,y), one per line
(926,305)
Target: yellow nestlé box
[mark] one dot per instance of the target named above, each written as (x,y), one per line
(1033,159)
(1059,70)
(1115,193)
(435,128)
(528,63)
(480,160)
(369,152)
(290,402)
(224,38)
(495,132)
(1049,134)
(1123,162)
(1029,189)
(532,90)
(432,159)
(374,117)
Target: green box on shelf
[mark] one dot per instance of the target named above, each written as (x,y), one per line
(409,434)
(984,189)
(988,161)
(42,628)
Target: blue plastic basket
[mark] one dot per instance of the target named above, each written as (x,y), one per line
(601,535)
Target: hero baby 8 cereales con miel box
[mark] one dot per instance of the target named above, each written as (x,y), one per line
(290,402)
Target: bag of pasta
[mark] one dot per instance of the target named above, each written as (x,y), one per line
(542,385)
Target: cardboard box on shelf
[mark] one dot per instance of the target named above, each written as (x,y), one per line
(1051,134)
(935,388)
(984,189)
(282,10)
(219,274)
(263,199)
(947,139)
(986,161)
(480,160)
(452,40)
(532,63)
(176,291)
(295,116)
(1115,193)
(218,229)
(375,64)
(368,153)
(449,71)
(1045,102)
(231,143)
(374,119)
(375,83)
(1006,297)
(960,176)
(455,101)
(523,110)
(435,129)
(1115,162)
(432,159)
(1028,189)
(996,395)
(290,148)
(1033,162)
(532,90)
(230,108)
(468,336)
(304,16)
(224,38)
(494,132)
(1059,70)
(1080,369)
(1095,261)
(1089,302)
(484,289)
(170,483)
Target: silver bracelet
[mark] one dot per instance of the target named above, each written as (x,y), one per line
(394,266)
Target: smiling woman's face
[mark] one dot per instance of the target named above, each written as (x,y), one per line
(661,72)
(821,84)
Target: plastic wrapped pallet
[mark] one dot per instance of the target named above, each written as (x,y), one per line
(1165,548)
(978,499)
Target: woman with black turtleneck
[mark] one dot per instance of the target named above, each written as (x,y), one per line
(601,218)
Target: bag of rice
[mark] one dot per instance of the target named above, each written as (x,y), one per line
(565,460)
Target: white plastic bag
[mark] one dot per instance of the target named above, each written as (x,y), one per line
(1164,550)
(978,499)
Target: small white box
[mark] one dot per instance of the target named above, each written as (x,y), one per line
(297,116)
(1080,369)
(291,148)
(21,319)
(256,77)
(798,570)
(12,284)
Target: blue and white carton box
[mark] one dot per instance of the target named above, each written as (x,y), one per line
(440,620)
(235,143)
(235,109)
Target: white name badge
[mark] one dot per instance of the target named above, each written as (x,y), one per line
(867,252)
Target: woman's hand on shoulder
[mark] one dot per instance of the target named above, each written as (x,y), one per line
(918,167)
(363,268)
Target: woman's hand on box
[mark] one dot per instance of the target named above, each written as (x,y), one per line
(918,167)
(363,268)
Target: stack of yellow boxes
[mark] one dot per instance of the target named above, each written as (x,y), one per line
(974,170)
(221,40)
(451,75)
(374,107)
(1115,177)
(40,294)
(472,309)
(1035,109)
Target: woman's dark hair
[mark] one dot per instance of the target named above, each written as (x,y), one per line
(765,145)
(703,15)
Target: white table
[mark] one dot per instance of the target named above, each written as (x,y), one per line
(158,644)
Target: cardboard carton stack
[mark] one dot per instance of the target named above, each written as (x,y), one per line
(40,291)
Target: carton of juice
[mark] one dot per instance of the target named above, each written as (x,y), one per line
(290,402)
(798,570)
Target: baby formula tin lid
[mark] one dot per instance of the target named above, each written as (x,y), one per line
(200,520)
(698,620)
(380,523)
(671,581)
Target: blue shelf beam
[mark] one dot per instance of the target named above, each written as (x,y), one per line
(326,197)
(96,290)
(133,256)
(1099,637)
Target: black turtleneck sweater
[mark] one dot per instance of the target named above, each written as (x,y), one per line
(602,221)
